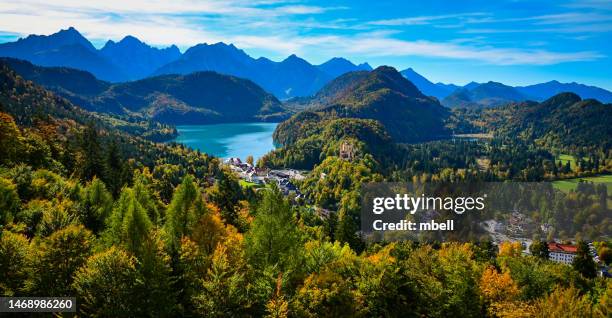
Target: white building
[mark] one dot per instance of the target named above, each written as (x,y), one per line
(561,253)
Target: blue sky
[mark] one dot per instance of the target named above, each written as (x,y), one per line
(514,42)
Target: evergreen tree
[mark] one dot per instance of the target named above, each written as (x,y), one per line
(10,140)
(583,261)
(274,238)
(143,195)
(154,265)
(186,207)
(91,149)
(97,205)
(347,228)
(114,169)
(226,194)
(129,223)
(539,249)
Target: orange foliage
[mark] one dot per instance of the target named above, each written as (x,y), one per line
(500,293)
(496,286)
(510,249)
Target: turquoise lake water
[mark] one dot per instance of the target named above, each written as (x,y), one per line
(229,140)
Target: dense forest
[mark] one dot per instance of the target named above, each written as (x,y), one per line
(134,228)
(383,95)
(201,97)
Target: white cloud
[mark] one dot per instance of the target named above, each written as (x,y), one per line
(266,25)
(423,20)
(374,46)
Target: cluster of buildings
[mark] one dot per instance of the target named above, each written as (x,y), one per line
(519,224)
(261,176)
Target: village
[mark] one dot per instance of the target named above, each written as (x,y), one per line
(261,176)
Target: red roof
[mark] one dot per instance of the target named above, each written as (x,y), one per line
(562,248)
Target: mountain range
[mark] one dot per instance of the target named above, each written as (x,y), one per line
(492,94)
(130,59)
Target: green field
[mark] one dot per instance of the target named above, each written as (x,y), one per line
(570,184)
(565,158)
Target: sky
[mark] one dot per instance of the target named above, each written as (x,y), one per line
(515,42)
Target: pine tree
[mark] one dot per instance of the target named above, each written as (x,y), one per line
(97,205)
(145,198)
(273,239)
(347,227)
(114,165)
(186,207)
(92,154)
(129,223)
(583,261)
(226,195)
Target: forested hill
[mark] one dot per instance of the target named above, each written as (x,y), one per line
(330,92)
(197,98)
(310,137)
(63,80)
(44,131)
(29,104)
(386,96)
(564,121)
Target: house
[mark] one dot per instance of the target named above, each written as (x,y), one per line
(253,176)
(234,161)
(561,253)
(347,152)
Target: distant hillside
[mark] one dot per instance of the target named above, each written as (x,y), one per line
(30,104)
(491,94)
(330,92)
(438,90)
(197,98)
(386,96)
(564,121)
(545,90)
(27,102)
(63,80)
(203,97)
(494,94)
